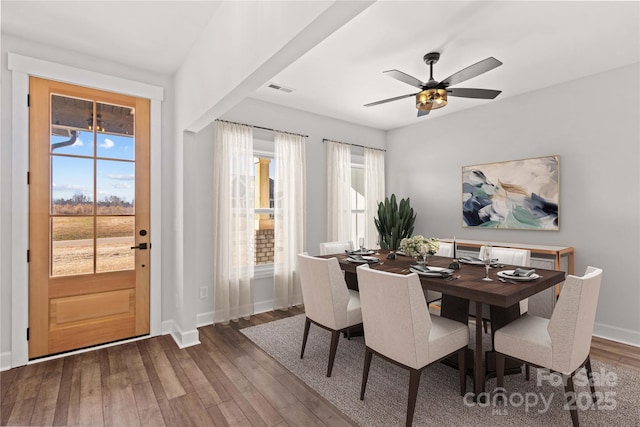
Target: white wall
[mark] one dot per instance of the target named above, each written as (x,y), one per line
(241,49)
(595,132)
(199,179)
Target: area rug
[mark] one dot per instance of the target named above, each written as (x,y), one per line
(439,401)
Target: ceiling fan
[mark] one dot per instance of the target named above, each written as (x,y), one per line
(433,94)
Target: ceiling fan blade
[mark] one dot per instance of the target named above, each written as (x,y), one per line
(405,78)
(389,100)
(423,112)
(473,93)
(471,71)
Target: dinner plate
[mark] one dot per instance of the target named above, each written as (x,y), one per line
(433,271)
(507,274)
(364,260)
(366,252)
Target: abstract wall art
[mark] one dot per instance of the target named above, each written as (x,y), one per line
(517,194)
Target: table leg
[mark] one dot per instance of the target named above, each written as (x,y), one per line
(478,368)
(351,280)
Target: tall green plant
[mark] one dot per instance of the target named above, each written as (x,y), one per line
(394,222)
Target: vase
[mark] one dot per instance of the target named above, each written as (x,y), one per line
(392,255)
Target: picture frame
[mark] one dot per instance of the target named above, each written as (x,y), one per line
(515,194)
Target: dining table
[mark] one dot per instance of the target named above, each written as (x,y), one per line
(460,288)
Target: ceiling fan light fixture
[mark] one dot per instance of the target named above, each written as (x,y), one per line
(431,99)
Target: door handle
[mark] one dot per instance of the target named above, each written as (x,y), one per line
(141,246)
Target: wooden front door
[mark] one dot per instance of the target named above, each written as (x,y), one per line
(89,236)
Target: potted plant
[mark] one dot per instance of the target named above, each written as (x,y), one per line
(394,222)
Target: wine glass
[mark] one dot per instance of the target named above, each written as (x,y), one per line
(424,253)
(361,244)
(486,258)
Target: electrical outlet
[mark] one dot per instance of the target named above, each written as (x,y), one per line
(204,292)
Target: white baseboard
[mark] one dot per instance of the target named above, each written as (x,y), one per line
(183,339)
(204,319)
(263,306)
(5,361)
(613,333)
(167,327)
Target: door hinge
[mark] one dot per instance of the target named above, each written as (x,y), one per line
(27,334)
(28,256)
(28,178)
(28,100)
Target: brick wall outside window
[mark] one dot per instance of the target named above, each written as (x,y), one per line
(264,246)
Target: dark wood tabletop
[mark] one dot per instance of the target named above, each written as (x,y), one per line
(467,286)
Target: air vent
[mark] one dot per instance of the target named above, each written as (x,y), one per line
(279,87)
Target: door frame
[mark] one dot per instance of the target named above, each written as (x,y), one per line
(21,68)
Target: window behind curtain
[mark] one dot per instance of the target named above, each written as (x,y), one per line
(357,203)
(264,173)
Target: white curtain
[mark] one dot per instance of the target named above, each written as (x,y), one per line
(338,192)
(290,221)
(234,218)
(373,192)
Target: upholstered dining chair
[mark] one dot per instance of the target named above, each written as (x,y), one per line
(445,249)
(328,302)
(399,329)
(510,256)
(560,344)
(329,248)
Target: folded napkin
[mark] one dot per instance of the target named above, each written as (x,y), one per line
(360,258)
(424,269)
(357,252)
(522,272)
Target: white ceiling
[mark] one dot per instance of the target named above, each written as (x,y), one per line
(148,35)
(540,43)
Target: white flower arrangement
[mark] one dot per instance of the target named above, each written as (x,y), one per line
(417,245)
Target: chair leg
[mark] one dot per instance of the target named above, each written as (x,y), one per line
(414,383)
(335,336)
(462,368)
(500,373)
(365,371)
(484,325)
(592,386)
(526,371)
(571,399)
(307,325)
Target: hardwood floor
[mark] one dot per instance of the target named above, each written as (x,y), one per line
(225,381)
(615,353)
